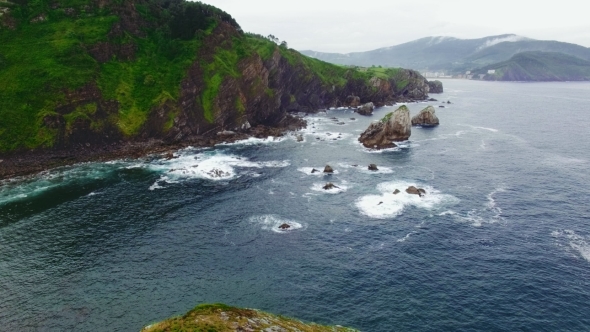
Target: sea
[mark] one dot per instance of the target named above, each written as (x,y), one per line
(500,241)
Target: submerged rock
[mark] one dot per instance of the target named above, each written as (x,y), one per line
(426,118)
(330,185)
(328,169)
(373,167)
(366,109)
(415,191)
(394,127)
(314,171)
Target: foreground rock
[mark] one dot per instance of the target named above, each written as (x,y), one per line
(285,226)
(373,167)
(415,191)
(328,169)
(394,127)
(366,109)
(219,317)
(426,118)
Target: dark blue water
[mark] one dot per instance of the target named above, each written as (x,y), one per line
(501,242)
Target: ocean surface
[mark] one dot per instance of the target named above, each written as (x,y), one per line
(501,241)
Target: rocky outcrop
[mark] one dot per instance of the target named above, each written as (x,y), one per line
(373,167)
(220,317)
(328,169)
(330,185)
(366,109)
(284,227)
(426,118)
(415,191)
(435,86)
(353,101)
(394,127)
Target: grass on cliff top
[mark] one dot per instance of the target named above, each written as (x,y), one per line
(40,61)
(222,318)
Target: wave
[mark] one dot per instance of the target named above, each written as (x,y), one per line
(255,141)
(387,205)
(490,214)
(22,188)
(209,165)
(365,169)
(577,242)
(272,222)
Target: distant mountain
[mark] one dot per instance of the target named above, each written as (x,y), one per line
(538,66)
(451,54)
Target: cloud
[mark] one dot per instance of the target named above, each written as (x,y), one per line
(510,39)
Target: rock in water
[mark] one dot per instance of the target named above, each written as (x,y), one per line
(329,186)
(366,109)
(299,138)
(314,171)
(435,87)
(285,226)
(394,127)
(373,167)
(396,192)
(328,169)
(415,191)
(426,118)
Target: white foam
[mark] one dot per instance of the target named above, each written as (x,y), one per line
(255,141)
(342,187)
(577,242)
(387,205)
(209,165)
(490,214)
(272,222)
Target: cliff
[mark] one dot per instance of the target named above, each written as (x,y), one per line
(219,317)
(77,77)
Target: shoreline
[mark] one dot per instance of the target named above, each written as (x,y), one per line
(31,163)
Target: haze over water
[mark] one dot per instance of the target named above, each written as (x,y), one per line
(501,241)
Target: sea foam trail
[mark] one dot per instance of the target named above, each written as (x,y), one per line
(577,242)
(272,222)
(388,205)
(491,213)
(210,165)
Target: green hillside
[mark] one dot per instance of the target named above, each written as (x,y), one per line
(103,71)
(539,66)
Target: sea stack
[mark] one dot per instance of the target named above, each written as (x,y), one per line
(426,118)
(394,127)
(366,109)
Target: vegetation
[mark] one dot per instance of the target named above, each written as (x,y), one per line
(49,50)
(539,66)
(221,318)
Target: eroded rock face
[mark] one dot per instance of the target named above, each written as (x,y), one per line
(426,118)
(366,109)
(353,101)
(394,127)
(435,86)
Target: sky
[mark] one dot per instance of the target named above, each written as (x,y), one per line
(355,26)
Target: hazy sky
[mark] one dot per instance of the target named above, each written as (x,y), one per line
(349,26)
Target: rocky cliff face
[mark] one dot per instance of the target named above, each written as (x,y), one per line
(134,75)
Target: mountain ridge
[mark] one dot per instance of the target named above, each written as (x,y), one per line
(451,54)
